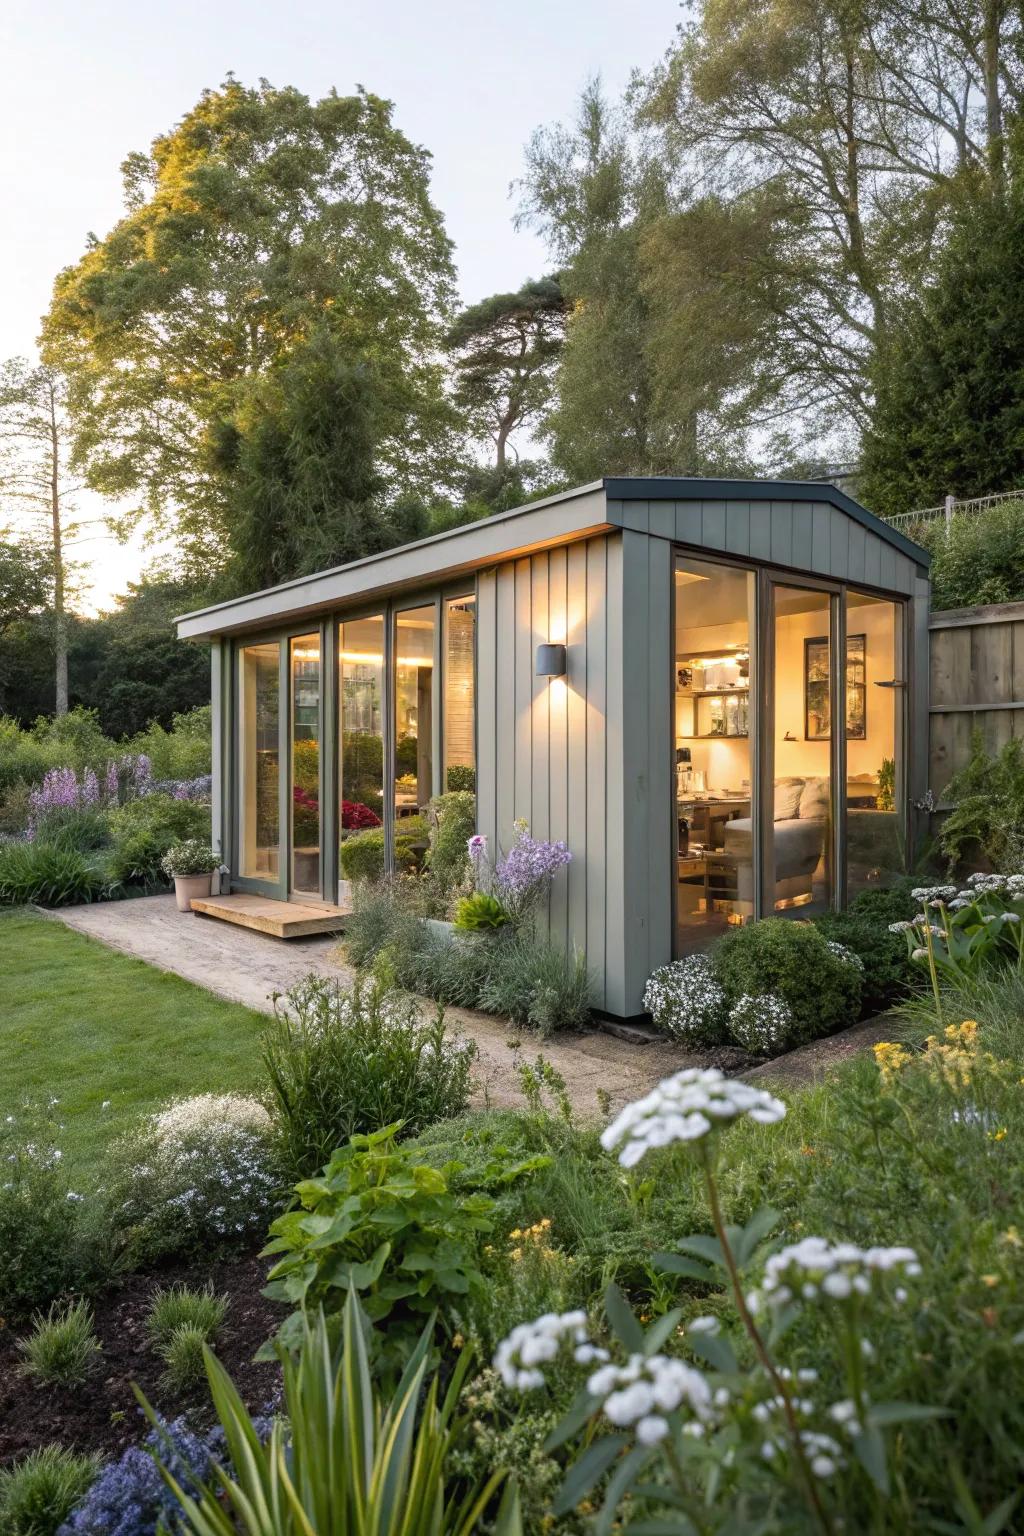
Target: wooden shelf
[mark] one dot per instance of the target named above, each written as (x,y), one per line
(711,693)
(718,736)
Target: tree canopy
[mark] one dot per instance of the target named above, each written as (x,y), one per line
(505,349)
(260,221)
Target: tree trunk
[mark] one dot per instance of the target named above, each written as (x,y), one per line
(60,630)
(992,14)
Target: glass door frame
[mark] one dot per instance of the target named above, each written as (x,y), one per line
(762,710)
(280,889)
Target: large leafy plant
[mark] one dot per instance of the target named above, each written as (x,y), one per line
(379,1222)
(988,808)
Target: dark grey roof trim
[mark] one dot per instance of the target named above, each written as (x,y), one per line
(668,488)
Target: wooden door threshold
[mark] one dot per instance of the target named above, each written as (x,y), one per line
(280,919)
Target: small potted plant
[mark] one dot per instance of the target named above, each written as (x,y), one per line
(190,865)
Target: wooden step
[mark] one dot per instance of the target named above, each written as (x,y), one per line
(281,919)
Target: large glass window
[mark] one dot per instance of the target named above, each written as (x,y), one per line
(361,724)
(459,693)
(414,676)
(714,627)
(259,761)
(802,791)
(875,841)
(305,750)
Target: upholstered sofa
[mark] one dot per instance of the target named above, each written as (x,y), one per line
(801,817)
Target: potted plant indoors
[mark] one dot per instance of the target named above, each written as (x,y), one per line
(190,865)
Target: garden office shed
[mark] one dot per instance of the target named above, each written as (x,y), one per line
(714,691)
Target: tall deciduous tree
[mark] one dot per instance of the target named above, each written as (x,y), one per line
(259,219)
(36,486)
(505,349)
(858,121)
(299,459)
(652,373)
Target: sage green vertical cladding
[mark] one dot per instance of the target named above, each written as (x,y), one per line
(550,751)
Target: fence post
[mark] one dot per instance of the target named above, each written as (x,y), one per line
(950,504)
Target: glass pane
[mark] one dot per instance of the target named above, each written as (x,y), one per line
(414,673)
(259,750)
(801,810)
(714,608)
(875,843)
(305,664)
(361,724)
(459,691)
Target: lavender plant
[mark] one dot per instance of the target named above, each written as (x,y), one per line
(521,878)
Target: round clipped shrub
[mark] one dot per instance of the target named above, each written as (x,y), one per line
(762,1025)
(795,963)
(687,1001)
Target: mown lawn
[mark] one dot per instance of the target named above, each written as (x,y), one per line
(87,1025)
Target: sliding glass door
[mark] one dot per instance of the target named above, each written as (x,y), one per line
(259,761)
(305,713)
(875,829)
(799,843)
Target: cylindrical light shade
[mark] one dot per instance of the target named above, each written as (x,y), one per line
(551,661)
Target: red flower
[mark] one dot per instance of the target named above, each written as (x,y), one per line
(355,815)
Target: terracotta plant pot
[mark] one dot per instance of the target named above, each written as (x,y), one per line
(189,888)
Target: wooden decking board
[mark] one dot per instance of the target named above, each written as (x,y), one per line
(281,919)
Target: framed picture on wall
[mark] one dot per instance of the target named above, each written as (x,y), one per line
(817,713)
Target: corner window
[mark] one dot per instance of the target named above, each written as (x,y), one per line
(414,678)
(459,693)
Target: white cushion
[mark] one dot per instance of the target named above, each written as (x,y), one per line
(814,800)
(787,798)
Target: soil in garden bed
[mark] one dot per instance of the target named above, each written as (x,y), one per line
(102,1414)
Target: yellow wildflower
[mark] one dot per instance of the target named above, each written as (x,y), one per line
(990,1280)
(1011,1237)
(806,1151)
(999,1135)
(890,1058)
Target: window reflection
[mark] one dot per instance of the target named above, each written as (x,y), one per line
(361,724)
(875,844)
(260,764)
(459,691)
(305,746)
(414,673)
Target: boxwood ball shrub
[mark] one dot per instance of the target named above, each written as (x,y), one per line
(687,1001)
(794,963)
(361,854)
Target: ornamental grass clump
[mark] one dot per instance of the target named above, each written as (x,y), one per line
(62,1347)
(673,1415)
(199,1174)
(177,1306)
(38,1492)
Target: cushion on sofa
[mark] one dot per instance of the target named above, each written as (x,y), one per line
(814,800)
(787,798)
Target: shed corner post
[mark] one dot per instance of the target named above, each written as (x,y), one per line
(918,719)
(221,755)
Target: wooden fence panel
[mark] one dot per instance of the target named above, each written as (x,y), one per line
(976,684)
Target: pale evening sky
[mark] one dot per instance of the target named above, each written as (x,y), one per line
(82,85)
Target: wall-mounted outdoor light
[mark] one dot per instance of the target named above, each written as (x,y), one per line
(551,661)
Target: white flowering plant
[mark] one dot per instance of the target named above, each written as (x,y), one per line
(41,1250)
(676,1429)
(961,931)
(190,857)
(198,1174)
(688,1002)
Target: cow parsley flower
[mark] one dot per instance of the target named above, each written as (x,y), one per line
(640,1393)
(519,1357)
(815,1268)
(686,1107)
